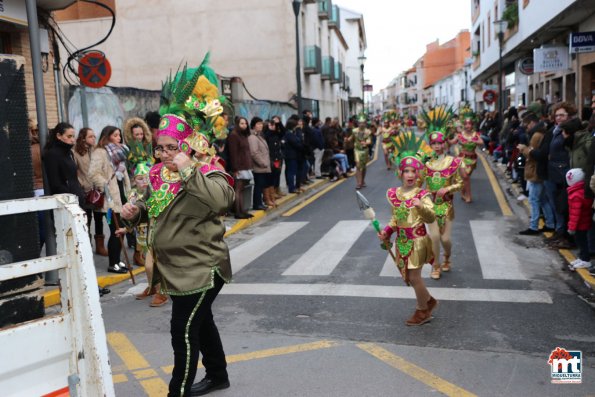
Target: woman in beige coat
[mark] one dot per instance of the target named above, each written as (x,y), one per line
(108,169)
(85,143)
(259,151)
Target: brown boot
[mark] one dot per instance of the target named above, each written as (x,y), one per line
(138,258)
(269,194)
(419,317)
(158,300)
(147,292)
(100,245)
(432,303)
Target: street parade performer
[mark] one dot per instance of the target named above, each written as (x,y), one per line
(362,140)
(412,207)
(442,178)
(469,140)
(190,192)
(390,130)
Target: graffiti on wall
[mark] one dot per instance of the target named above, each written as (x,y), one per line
(110,106)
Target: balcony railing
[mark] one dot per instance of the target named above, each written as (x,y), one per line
(312,60)
(338,73)
(324,9)
(335,19)
(328,68)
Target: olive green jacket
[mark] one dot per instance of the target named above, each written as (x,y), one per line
(187,237)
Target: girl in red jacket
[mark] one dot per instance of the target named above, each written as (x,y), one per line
(579,221)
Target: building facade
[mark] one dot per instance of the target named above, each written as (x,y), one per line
(535,51)
(252,45)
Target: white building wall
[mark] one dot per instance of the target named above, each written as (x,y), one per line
(251,39)
(531,19)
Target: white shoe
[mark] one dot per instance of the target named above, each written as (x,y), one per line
(521,197)
(574,262)
(581,264)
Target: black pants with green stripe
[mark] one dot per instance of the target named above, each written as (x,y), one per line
(193,331)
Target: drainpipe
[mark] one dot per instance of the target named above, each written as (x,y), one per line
(42,122)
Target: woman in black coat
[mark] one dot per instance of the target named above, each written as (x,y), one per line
(58,161)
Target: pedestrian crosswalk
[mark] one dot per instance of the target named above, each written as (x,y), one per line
(332,255)
(324,256)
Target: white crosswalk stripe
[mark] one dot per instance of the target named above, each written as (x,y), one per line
(497,262)
(496,259)
(322,258)
(256,246)
(389,269)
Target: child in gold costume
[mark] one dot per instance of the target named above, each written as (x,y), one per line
(412,208)
(469,140)
(442,178)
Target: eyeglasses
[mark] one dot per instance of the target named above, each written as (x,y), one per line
(168,148)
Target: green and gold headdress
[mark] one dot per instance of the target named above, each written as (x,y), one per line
(436,121)
(410,151)
(191,108)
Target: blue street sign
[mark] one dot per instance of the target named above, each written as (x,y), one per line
(582,42)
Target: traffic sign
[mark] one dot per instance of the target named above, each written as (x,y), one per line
(94,69)
(526,66)
(489,96)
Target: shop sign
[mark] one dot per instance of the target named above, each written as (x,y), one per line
(550,59)
(582,42)
(13,11)
(526,65)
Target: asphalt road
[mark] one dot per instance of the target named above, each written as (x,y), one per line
(315,309)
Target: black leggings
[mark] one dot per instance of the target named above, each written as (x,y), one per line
(191,315)
(114,247)
(98,216)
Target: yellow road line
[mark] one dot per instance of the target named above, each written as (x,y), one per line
(145,373)
(584,273)
(134,360)
(504,207)
(277,351)
(313,198)
(154,387)
(414,371)
(119,378)
(126,350)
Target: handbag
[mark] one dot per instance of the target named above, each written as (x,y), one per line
(95,198)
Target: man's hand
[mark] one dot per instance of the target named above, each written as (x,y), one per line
(181,160)
(129,211)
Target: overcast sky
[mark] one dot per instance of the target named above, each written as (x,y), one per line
(397,31)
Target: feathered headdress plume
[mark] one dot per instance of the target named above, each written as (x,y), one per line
(437,121)
(190,106)
(410,150)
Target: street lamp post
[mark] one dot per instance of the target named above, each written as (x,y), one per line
(298,75)
(500,27)
(362,61)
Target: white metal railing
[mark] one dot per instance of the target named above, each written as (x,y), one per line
(66,351)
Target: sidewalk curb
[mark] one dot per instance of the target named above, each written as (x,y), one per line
(567,255)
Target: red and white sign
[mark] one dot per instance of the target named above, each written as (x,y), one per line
(94,69)
(489,96)
(526,66)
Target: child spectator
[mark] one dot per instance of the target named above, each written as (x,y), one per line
(579,219)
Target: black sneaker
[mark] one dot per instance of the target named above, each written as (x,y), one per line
(117,268)
(529,232)
(207,385)
(547,229)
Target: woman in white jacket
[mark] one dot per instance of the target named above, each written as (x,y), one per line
(108,168)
